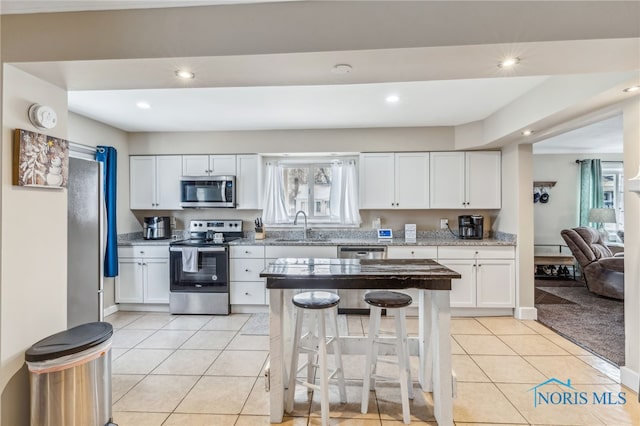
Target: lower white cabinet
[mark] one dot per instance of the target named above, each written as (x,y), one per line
(488,276)
(245,285)
(144,274)
(412,252)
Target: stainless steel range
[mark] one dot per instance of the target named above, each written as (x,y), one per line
(199,268)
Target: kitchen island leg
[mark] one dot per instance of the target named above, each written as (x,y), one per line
(441,349)
(276,393)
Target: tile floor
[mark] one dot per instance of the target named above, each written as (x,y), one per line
(201,370)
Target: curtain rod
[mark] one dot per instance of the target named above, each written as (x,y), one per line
(73,146)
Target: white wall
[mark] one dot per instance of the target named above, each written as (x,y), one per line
(33,280)
(516,217)
(88,132)
(276,141)
(629,374)
(561,210)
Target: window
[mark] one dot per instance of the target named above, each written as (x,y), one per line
(325,189)
(613,187)
(301,195)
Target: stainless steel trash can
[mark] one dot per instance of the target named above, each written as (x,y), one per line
(70,377)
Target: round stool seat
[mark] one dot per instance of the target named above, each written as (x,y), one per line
(316,300)
(388,299)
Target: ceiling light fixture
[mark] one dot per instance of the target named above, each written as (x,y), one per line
(186,75)
(392,99)
(632,89)
(527,132)
(143,105)
(508,62)
(342,69)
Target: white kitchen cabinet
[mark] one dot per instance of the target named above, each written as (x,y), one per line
(245,264)
(412,252)
(394,180)
(154,182)
(249,187)
(143,274)
(208,165)
(465,180)
(488,275)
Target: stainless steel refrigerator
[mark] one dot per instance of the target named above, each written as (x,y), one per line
(85,253)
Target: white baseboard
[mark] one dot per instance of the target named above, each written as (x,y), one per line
(110,310)
(629,378)
(249,309)
(482,312)
(143,307)
(526,313)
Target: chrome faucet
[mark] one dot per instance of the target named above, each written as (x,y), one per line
(295,222)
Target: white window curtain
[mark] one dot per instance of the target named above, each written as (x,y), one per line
(274,210)
(344,193)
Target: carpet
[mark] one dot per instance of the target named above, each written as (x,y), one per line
(593,322)
(257,325)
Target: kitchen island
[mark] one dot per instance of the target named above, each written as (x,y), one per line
(431,279)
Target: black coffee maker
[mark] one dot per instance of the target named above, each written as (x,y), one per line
(470,227)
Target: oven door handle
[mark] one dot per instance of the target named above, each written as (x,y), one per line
(203,249)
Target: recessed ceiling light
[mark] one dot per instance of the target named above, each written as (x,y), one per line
(508,62)
(527,132)
(342,69)
(184,74)
(143,105)
(632,88)
(392,99)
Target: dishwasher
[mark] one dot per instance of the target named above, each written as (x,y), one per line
(352,301)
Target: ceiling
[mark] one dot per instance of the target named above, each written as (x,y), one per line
(47,6)
(602,137)
(422,103)
(437,86)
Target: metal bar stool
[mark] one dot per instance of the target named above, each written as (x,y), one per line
(388,300)
(315,342)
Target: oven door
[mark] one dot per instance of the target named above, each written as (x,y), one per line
(211,276)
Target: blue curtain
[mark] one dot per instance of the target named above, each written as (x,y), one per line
(591,193)
(108,156)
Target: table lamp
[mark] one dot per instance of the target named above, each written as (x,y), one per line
(601,216)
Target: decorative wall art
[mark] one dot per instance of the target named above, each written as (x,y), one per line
(40,160)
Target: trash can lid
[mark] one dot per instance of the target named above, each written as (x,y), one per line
(70,341)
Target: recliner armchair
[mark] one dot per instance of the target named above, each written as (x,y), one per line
(602,271)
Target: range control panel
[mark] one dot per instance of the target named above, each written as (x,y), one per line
(215,225)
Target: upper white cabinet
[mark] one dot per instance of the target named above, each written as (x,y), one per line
(249,182)
(462,180)
(208,165)
(394,180)
(154,182)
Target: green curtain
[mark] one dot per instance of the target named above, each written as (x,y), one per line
(591,194)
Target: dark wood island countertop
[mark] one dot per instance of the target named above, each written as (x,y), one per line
(301,273)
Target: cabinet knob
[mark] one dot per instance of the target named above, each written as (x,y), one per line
(246,293)
(413,252)
(246,270)
(246,252)
(139,264)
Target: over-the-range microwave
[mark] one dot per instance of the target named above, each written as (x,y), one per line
(208,191)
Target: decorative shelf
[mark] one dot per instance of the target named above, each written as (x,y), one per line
(544,184)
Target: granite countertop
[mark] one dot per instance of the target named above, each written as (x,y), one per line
(359,273)
(372,242)
(334,238)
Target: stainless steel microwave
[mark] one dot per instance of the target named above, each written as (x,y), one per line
(208,191)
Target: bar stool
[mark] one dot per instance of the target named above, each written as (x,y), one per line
(388,300)
(315,342)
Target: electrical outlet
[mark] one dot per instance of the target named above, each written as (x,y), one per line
(444,223)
